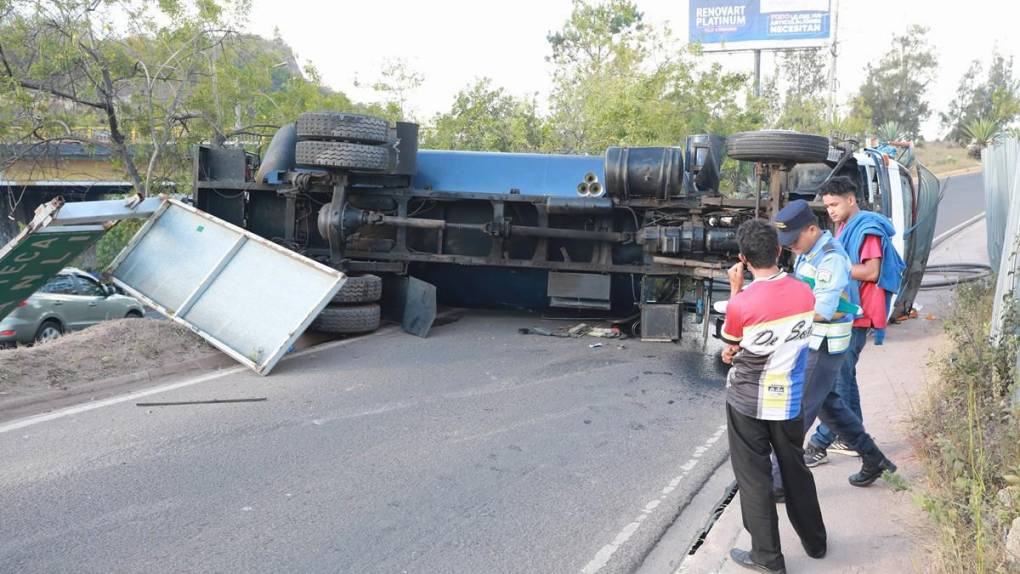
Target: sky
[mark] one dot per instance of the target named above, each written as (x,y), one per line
(451,43)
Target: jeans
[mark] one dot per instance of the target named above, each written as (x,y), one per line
(846,386)
(821,401)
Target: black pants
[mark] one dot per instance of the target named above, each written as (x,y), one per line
(822,400)
(751,442)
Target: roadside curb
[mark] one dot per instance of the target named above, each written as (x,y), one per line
(956,229)
(212,361)
(961,171)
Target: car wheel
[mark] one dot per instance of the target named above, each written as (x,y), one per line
(778,146)
(48,332)
(133,314)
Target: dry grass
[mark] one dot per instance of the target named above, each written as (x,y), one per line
(106,350)
(941,156)
(968,437)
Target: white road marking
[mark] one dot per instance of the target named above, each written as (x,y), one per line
(605,553)
(85,407)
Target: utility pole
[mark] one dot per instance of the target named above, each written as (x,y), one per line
(757,73)
(833,82)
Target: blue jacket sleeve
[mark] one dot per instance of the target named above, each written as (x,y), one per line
(832,278)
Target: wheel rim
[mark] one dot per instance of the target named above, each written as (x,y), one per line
(49,334)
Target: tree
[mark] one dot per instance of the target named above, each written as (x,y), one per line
(158,76)
(995,97)
(896,88)
(596,34)
(619,81)
(486,118)
(396,80)
(66,61)
(803,106)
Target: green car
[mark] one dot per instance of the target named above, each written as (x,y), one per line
(70,301)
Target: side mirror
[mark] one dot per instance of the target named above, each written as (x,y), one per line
(109,290)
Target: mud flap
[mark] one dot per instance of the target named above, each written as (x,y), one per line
(410,302)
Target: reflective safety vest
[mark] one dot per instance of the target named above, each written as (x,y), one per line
(838,330)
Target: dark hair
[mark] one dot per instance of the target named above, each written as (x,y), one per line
(839,185)
(758,243)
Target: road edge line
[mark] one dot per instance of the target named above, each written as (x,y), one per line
(956,229)
(25,422)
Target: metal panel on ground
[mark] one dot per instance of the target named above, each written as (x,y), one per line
(247,296)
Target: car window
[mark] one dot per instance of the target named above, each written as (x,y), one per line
(90,287)
(60,285)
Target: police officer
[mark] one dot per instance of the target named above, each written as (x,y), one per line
(822,262)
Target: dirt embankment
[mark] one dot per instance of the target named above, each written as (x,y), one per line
(104,351)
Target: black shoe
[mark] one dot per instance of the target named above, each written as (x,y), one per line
(743,558)
(778,495)
(814,455)
(816,554)
(872,468)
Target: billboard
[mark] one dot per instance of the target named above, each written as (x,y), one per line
(759,24)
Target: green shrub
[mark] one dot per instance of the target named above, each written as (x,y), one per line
(969,439)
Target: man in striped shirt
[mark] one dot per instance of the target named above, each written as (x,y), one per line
(767,329)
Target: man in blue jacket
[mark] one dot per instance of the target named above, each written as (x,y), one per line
(875,277)
(823,263)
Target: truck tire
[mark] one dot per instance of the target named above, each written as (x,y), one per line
(348,320)
(361,289)
(343,155)
(779,146)
(339,126)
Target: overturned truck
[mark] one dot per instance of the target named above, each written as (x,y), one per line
(641,232)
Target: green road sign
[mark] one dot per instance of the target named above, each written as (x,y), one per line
(27,263)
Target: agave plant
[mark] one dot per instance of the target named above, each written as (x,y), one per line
(983,133)
(889,132)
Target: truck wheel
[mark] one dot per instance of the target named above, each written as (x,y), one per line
(778,145)
(339,126)
(344,155)
(347,320)
(361,289)
(48,332)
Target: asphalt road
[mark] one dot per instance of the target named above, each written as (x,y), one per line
(964,198)
(476,450)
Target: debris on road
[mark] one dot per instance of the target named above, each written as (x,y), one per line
(205,402)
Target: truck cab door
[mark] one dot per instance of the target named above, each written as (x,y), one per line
(920,234)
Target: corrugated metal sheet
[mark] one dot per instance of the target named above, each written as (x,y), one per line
(999,162)
(1004,161)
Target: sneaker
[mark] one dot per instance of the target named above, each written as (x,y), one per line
(840,446)
(871,470)
(743,558)
(814,455)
